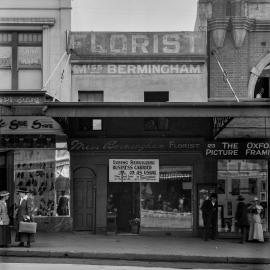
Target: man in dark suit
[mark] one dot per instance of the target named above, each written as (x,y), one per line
(209,214)
(23,213)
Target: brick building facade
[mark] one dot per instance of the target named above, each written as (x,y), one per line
(239,34)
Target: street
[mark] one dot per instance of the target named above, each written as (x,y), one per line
(14,263)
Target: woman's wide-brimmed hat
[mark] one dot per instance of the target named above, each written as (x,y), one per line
(240,198)
(4,193)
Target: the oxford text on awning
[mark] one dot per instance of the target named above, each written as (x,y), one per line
(233,149)
(133,170)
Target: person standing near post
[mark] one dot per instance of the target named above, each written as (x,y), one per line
(241,216)
(5,238)
(209,213)
(24,213)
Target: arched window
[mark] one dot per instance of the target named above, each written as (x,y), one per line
(262,85)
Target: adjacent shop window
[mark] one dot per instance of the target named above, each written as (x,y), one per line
(21,60)
(248,178)
(45,174)
(168,204)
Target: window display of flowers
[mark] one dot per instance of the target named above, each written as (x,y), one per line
(134,221)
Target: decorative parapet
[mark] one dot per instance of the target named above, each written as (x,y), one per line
(10,21)
(240,26)
(218,27)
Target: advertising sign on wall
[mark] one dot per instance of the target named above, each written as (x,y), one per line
(133,170)
(137,43)
(29,125)
(137,69)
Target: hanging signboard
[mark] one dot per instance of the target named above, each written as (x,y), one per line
(234,149)
(133,170)
(29,125)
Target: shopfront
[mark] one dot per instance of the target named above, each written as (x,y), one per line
(34,156)
(242,169)
(148,182)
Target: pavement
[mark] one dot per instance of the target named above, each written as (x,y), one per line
(86,245)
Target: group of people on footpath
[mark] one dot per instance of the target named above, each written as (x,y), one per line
(248,219)
(23,212)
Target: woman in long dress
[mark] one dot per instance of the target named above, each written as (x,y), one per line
(255,229)
(5,238)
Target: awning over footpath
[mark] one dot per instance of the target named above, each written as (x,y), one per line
(157,109)
(248,119)
(140,109)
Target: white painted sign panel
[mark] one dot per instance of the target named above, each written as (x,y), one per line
(133,170)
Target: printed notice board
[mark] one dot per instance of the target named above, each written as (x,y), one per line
(133,170)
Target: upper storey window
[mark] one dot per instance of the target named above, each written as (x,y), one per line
(20,60)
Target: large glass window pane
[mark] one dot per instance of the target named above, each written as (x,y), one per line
(44,173)
(248,178)
(30,79)
(5,75)
(30,57)
(168,204)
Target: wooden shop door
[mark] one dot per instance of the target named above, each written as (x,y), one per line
(84,199)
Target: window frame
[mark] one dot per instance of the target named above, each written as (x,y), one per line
(15,44)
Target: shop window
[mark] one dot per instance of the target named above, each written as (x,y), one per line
(152,124)
(248,178)
(90,96)
(168,204)
(161,96)
(45,174)
(21,60)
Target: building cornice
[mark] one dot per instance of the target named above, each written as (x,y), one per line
(22,21)
(139,60)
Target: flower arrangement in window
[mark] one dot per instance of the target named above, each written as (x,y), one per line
(135,221)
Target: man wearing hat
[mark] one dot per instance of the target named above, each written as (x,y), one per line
(24,213)
(5,237)
(241,216)
(209,213)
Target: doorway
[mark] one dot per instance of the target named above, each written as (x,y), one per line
(84,199)
(126,201)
